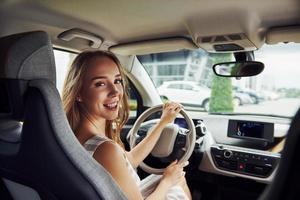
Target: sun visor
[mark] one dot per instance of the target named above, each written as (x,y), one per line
(153,46)
(283,34)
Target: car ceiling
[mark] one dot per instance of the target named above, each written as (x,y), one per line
(123,22)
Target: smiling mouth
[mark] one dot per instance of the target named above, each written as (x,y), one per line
(111,106)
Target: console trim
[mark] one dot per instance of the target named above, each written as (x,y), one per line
(207,163)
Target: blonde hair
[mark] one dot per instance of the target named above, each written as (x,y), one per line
(73,84)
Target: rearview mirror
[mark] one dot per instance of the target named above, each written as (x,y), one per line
(238,69)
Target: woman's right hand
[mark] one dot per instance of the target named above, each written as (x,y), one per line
(174,173)
(170,110)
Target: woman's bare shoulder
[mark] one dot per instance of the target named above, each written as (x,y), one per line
(108,153)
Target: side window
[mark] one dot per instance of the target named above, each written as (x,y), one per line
(63,60)
(133,101)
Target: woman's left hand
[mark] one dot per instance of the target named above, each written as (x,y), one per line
(170,110)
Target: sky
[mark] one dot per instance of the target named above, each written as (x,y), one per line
(282,64)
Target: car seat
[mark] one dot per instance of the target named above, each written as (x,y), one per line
(286,182)
(40,158)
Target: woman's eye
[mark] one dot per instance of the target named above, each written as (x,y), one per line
(119,81)
(98,84)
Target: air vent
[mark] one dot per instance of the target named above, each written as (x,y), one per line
(234,37)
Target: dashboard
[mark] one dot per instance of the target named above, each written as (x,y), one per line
(241,146)
(236,146)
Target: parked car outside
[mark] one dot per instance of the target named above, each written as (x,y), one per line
(255,96)
(270,95)
(241,98)
(193,94)
(188,93)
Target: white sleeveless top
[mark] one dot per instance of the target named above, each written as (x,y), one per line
(147,185)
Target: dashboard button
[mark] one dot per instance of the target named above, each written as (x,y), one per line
(266,159)
(231,165)
(258,157)
(241,166)
(258,170)
(244,163)
(227,153)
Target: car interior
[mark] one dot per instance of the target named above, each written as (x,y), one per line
(233,65)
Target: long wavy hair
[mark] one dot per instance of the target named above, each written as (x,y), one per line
(73,85)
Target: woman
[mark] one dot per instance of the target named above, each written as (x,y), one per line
(96,105)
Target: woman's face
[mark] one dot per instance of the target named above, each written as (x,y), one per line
(102,89)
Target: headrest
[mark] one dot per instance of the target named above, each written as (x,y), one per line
(27,56)
(23,57)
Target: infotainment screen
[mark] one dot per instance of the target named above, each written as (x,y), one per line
(251,130)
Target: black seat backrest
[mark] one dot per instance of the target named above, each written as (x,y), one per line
(286,184)
(37,147)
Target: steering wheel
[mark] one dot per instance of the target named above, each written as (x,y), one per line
(168,141)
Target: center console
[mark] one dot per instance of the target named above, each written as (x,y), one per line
(253,163)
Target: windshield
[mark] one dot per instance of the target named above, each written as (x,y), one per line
(187,77)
